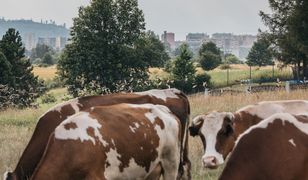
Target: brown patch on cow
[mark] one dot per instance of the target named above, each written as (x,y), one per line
(90,132)
(159,122)
(243,120)
(107,164)
(70,125)
(226,137)
(128,143)
(302,118)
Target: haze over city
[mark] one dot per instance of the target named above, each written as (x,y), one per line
(178,16)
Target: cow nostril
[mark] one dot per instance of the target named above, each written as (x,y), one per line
(210,161)
(214,161)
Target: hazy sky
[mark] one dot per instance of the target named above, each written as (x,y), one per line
(178,16)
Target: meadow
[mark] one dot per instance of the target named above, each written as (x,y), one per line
(218,76)
(17,125)
(236,73)
(45,73)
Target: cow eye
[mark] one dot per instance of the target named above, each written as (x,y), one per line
(227,130)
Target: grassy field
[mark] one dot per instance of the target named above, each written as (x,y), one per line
(45,73)
(17,125)
(219,77)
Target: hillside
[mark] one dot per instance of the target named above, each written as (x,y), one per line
(42,29)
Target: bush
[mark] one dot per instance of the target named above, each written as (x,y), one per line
(56,82)
(48,98)
(224,66)
(209,61)
(10,97)
(202,81)
(37,61)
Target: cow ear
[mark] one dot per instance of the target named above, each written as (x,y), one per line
(229,124)
(230,118)
(196,125)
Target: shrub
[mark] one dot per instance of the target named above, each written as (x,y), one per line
(48,98)
(202,81)
(224,66)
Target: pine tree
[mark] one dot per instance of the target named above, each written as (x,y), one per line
(5,70)
(184,71)
(26,86)
(209,56)
(260,54)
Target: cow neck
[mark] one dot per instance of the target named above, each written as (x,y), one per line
(243,120)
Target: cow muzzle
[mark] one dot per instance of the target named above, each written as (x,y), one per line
(210,162)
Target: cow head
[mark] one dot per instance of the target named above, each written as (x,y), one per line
(217,134)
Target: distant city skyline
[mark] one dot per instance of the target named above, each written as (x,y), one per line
(178,16)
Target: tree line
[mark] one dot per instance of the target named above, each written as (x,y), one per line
(110,51)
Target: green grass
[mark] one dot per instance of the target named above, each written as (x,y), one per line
(237,73)
(219,77)
(16,126)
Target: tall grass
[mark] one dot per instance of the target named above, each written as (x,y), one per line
(16,126)
(45,73)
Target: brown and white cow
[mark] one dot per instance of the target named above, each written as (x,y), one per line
(123,141)
(276,148)
(219,130)
(174,99)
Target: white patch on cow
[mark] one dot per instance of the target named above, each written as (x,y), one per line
(212,124)
(5,175)
(133,129)
(74,104)
(112,141)
(83,121)
(161,94)
(267,108)
(291,141)
(168,137)
(137,125)
(113,172)
(284,117)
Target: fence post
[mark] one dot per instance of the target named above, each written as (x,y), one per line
(206,91)
(288,86)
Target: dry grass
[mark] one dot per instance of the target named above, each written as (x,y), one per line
(16,126)
(45,73)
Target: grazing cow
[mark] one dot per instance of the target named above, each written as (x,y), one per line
(123,141)
(219,130)
(174,99)
(276,148)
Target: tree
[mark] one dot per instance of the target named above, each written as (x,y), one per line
(260,54)
(151,50)
(209,56)
(40,50)
(5,70)
(48,59)
(184,71)
(209,47)
(288,32)
(24,84)
(232,59)
(102,56)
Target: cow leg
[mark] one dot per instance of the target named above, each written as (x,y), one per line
(171,163)
(156,173)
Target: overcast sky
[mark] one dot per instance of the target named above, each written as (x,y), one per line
(178,16)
